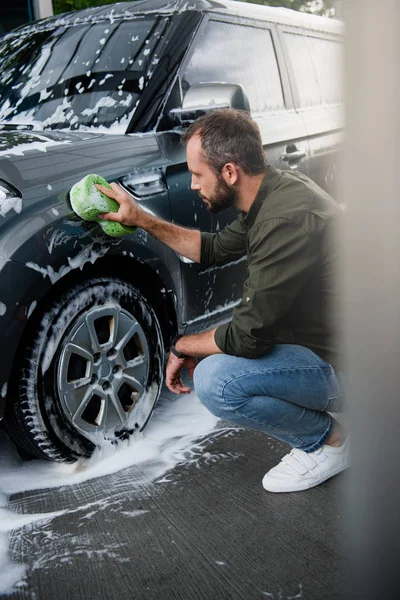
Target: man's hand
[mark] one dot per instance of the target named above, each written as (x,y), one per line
(186,242)
(129,212)
(173,374)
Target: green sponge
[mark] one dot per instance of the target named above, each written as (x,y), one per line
(88,202)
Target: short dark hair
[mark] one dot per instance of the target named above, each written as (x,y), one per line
(229,136)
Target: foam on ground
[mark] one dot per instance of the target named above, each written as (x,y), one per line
(170,438)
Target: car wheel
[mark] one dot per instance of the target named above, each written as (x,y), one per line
(92,373)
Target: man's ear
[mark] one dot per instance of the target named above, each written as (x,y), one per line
(230,173)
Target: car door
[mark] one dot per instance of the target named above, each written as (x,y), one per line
(245,54)
(314,63)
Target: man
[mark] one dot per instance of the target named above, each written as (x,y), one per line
(271,368)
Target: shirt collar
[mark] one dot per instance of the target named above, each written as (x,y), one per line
(268,184)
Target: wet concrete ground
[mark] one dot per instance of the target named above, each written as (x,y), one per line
(205,530)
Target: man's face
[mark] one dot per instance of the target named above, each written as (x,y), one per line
(212,189)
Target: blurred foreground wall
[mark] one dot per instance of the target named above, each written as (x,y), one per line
(372,294)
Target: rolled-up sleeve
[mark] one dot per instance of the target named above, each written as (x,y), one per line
(281,257)
(223,247)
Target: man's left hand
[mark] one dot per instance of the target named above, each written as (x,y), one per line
(173,375)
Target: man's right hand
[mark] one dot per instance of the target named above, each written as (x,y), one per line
(129,212)
(186,242)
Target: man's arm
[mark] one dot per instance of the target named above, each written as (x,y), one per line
(205,248)
(186,242)
(198,344)
(223,247)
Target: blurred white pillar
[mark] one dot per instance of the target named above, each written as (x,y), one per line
(372,293)
(339,9)
(42,8)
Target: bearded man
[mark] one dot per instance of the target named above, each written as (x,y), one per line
(275,367)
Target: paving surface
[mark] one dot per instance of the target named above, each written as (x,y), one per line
(206,530)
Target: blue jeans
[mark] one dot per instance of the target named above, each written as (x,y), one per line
(287,393)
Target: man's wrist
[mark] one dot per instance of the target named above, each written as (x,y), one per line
(175,350)
(144,220)
(153,225)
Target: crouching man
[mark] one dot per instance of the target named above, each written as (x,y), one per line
(274,367)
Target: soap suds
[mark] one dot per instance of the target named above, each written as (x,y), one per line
(88,254)
(10,203)
(31,308)
(147,459)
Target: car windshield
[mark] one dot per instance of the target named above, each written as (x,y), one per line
(80,76)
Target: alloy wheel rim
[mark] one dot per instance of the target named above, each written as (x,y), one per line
(103,371)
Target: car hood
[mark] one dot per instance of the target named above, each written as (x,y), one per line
(41,164)
(20,140)
(42,167)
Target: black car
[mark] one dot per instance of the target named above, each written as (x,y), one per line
(85,319)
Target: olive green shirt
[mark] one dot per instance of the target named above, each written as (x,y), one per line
(291,291)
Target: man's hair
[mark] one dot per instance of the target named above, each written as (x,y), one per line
(229,136)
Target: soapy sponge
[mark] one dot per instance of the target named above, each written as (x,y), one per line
(88,202)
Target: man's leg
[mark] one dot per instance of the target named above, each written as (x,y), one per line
(286,394)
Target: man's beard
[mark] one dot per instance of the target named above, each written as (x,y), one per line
(222,198)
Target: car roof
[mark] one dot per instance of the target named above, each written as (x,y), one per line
(129,10)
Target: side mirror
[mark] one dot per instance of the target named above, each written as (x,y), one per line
(205,97)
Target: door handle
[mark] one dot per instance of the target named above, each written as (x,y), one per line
(293,155)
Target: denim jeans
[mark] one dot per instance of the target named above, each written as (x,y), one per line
(287,393)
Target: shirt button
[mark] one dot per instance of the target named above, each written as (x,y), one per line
(248,299)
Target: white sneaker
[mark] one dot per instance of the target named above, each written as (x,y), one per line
(301,470)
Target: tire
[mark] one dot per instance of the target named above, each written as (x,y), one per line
(92,374)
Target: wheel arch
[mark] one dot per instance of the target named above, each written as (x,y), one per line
(157,287)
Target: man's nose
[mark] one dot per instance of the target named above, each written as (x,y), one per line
(193,185)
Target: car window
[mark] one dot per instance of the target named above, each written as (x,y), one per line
(78,76)
(316,64)
(233,53)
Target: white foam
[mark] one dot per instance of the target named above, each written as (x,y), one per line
(174,428)
(8,203)
(86,255)
(42,145)
(103,102)
(10,521)
(11,573)
(44,94)
(170,438)
(31,308)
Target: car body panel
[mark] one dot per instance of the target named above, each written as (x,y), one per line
(43,244)
(46,241)
(323,120)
